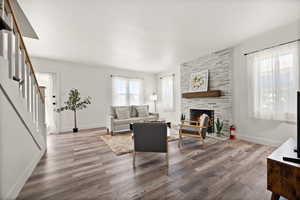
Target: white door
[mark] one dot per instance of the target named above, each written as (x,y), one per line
(48,80)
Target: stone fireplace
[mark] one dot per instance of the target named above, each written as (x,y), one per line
(196,113)
(219,65)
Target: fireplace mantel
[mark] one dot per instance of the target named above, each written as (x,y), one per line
(211,93)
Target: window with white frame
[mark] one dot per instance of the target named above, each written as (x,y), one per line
(167,93)
(127,91)
(273,82)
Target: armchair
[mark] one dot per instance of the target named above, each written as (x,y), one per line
(150,137)
(196,129)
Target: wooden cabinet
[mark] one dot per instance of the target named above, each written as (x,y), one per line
(284,177)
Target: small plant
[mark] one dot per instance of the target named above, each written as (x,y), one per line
(219,126)
(182,117)
(74,103)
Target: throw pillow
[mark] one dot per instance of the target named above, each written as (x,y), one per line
(123,112)
(203,122)
(133,112)
(142,111)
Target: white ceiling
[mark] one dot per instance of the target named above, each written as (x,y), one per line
(148,35)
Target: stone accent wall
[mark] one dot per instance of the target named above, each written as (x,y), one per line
(219,65)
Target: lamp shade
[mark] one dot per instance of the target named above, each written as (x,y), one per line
(153,97)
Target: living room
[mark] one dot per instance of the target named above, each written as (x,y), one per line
(141,104)
(264,131)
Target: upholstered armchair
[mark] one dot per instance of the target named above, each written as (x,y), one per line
(150,137)
(196,129)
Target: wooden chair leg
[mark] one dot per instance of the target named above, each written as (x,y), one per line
(167,158)
(180,142)
(275,196)
(203,141)
(133,161)
(167,154)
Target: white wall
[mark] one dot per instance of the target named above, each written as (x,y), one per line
(93,81)
(173,116)
(18,152)
(261,131)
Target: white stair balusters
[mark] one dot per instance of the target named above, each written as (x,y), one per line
(10,48)
(27,86)
(22,78)
(20,69)
(17,58)
(2,45)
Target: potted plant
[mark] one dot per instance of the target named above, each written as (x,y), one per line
(219,126)
(75,103)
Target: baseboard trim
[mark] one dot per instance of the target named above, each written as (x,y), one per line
(16,189)
(260,140)
(82,129)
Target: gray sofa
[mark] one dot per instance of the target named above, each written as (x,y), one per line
(116,124)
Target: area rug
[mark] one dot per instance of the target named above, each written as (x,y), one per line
(122,143)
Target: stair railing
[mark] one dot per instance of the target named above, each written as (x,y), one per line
(21,70)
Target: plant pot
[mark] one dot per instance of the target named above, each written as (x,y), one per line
(218,134)
(75,130)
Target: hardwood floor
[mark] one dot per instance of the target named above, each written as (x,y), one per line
(81,166)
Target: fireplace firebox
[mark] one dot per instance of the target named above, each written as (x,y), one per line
(196,113)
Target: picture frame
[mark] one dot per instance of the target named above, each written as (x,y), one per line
(199,81)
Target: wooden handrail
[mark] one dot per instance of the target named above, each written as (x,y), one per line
(25,49)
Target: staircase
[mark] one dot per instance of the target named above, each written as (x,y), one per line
(22,108)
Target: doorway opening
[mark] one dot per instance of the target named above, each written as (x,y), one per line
(48,80)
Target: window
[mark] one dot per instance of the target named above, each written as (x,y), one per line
(127,91)
(273,82)
(167,92)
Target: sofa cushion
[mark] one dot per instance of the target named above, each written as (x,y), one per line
(128,121)
(123,112)
(142,111)
(113,112)
(133,112)
(150,118)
